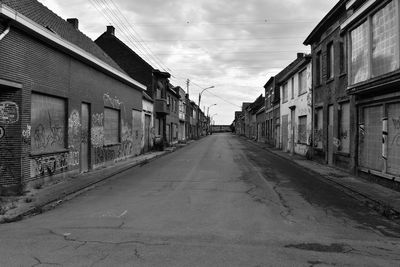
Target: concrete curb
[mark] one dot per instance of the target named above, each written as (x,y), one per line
(58,199)
(385,209)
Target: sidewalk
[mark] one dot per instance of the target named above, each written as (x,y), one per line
(384,200)
(38,200)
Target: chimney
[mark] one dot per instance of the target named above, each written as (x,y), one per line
(300,55)
(111,30)
(74,22)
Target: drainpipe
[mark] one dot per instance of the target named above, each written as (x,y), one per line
(5,32)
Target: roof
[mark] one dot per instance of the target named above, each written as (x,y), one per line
(257,104)
(147,97)
(322,24)
(43,16)
(293,67)
(125,57)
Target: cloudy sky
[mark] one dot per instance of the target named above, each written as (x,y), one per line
(232,45)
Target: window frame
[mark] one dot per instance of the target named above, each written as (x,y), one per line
(368,20)
(285,86)
(330,61)
(318,68)
(303,142)
(65,125)
(300,90)
(118,141)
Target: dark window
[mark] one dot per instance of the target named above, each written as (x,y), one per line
(318,70)
(330,61)
(342,58)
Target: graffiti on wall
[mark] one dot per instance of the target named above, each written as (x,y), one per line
(49,165)
(6,170)
(111,101)
(361,131)
(396,139)
(26,134)
(74,128)
(317,137)
(97,131)
(48,134)
(9,112)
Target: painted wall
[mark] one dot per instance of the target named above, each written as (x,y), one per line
(303,107)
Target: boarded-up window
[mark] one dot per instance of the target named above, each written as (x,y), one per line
(385,57)
(285,93)
(302,82)
(359,53)
(393,155)
(318,132)
(111,126)
(370,138)
(302,130)
(344,128)
(48,122)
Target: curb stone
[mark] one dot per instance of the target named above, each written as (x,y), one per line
(385,209)
(59,199)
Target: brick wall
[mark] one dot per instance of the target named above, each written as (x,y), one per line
(41,68)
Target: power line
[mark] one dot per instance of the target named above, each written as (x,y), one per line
(223,39)
(114,16)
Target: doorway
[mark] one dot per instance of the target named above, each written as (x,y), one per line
(85,134)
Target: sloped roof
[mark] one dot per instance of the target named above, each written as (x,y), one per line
(43,16)
(126,58)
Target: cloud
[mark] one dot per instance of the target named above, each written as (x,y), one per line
(234,45)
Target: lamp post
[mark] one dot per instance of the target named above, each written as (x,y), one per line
(211,119)
(198,115)
(208,117)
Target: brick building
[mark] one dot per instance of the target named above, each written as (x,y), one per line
(272,112)
(372,31)
(172,119)
(334,111)
(65,106)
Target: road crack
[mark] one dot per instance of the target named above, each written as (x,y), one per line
(84,242)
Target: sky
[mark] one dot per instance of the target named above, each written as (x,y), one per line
(235,46)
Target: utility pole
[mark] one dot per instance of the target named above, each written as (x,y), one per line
(187,86)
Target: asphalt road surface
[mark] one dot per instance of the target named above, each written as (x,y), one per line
(220,201)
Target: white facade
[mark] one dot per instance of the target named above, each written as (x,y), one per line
(295,111)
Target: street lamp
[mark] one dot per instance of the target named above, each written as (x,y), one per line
(208,118)
(208,109)
(212,122)
(198,116)
(202,93)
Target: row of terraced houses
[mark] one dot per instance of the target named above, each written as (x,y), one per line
(339,105)
(69,104)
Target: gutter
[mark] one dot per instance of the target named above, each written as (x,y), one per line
(3,34)
(39,31)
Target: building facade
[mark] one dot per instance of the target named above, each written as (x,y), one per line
(172,119)
(334,111)
(373,59)
(65,106)
(296,106)
(148,123)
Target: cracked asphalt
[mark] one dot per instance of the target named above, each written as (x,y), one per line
(221,201)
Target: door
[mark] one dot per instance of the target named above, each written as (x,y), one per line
(292,129)
(330,135)
(147,126)
(285,132)
(85,141)
(278,134)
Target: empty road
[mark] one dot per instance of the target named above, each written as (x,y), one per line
(220,201)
